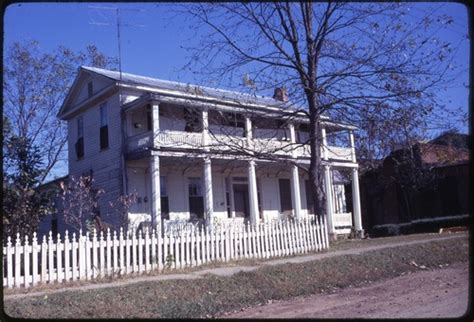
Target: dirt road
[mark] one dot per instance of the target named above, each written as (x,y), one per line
(424,294)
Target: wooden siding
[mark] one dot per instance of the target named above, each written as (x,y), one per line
(104,164)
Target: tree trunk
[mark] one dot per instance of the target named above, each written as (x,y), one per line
(316,173)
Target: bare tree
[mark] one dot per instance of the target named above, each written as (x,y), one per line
(79,201)
(121,205)
(368,64)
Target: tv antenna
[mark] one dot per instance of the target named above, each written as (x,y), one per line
(118,24)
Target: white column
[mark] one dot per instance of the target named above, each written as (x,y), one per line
(329,208)
(295,191)
(155,168)
(253,197)
(155,189)
(351,137)
(325,144)
(294,179)
(205,129)
(248,128)
(291,127)
(356,203)
(248,133)
(208,203)
(155,123)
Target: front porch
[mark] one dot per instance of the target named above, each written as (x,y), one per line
(201,189)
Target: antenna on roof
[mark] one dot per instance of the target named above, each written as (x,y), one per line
(118,24)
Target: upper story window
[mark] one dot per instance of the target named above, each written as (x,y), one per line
(227,123)
(104,130)
(90,89)
(79,145)
(192,118)
(149,118)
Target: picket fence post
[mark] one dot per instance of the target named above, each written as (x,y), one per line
(114,254)
(34,250)
(67,264)
(199,246)
(101,267)
(26,258)
(159,242)
(140,252)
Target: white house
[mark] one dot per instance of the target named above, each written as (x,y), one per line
(191,152)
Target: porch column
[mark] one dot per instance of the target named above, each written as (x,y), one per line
(329,208)
(356,203)
(205,129)
(295,191)
(208,203)
(155,124)
(248,134)
(325,153)
(351,138)
(295,179)
(253,197)
(155,190)
(155,168)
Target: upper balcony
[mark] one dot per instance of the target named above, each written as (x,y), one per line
(216,131)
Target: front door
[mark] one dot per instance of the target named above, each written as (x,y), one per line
(285,197)
(241,200)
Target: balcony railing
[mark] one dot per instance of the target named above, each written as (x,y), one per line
(190,140)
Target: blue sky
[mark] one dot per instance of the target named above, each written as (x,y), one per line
(155,49)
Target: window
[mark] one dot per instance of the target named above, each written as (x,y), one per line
(165,209)
(54,224)
(192,118)
(195,187)
(90,89)
(104,129)
(80,138)
(149,118)
(196,200)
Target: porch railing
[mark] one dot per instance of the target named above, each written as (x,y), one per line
(193,140)
(29,262)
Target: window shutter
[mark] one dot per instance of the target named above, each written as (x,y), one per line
(79,148)
(104,137)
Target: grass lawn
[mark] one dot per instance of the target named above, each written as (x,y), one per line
(213,295)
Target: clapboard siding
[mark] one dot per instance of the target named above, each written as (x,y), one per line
(105,164)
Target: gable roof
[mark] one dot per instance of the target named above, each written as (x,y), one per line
(176,88)
(132,79)
(73,90)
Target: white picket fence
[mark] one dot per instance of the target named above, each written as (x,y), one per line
(90,256)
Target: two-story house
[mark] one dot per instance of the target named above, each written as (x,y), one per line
(190,152)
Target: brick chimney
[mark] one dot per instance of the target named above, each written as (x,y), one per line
(280,94)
